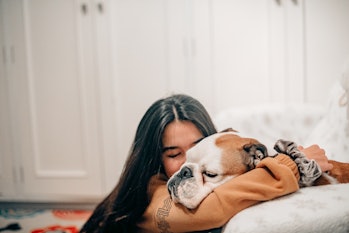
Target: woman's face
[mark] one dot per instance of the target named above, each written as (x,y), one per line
(178,137)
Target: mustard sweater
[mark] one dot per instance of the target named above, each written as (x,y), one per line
(273,177)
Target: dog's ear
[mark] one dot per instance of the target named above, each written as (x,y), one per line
(254,148)
(256,152)
(229,130)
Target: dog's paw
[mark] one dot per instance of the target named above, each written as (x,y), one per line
(288,148)
(256,152)
(309,170)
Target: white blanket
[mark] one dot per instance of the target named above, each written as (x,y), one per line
(323,209)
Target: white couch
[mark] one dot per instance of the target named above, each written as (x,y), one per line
(313,209)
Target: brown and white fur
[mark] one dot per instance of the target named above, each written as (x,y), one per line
(223,156)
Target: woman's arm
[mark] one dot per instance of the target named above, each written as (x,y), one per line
(318,154)
(273,177)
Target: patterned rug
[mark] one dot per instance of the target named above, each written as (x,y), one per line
(42,220)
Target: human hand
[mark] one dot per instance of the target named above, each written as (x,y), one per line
(318,154)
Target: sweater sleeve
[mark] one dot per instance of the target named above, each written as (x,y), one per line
(272,178)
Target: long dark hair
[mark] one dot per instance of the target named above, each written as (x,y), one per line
(121,209)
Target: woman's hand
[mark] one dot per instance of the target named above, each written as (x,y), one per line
(318,154)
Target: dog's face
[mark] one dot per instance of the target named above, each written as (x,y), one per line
(212,162)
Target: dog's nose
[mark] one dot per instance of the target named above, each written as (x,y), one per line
(185,173)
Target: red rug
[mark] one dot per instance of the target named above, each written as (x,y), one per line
(42,220)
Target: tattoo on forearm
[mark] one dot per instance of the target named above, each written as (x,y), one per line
(161,215)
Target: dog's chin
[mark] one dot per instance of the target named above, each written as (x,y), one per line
(189,203)
(184,191)
(190,194)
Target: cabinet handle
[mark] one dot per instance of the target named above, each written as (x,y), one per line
(84,8)
(4,56)
(13,55)
(279,2)
(100,7)
(9,55)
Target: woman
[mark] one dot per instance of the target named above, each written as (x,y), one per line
(167,130)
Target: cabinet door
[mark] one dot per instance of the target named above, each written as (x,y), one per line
(7,170)
(220,51)
(139,66)
(189,52)
(241,52)
(56,102)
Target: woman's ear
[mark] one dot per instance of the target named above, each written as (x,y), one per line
(229,130)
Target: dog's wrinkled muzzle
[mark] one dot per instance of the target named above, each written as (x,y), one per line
(173,183)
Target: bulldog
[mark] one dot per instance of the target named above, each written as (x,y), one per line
(225,155)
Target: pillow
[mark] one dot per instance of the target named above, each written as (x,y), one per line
(332,132)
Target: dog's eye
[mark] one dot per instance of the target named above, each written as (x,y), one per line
(210,174)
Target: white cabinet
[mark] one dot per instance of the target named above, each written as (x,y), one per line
(77,75)
(247,52)
(58,99)
(223,51)
(277,51)
(79,80)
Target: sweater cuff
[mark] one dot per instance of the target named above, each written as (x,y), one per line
(287,161)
